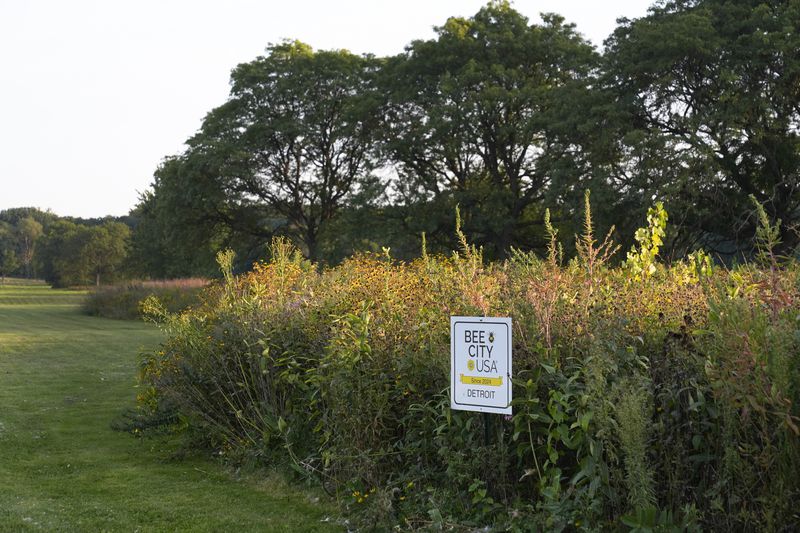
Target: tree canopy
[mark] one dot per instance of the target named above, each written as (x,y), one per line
(294,139)
(716,86)
(475,116)
(20,231)
(695,104)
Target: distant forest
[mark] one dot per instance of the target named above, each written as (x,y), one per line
(696,105)
(65,251)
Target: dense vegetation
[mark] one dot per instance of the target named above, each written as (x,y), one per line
(62,250)
(695,105)
(643,395)
(655,388)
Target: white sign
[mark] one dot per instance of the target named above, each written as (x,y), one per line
(480,364)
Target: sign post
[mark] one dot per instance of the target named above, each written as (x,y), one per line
(480,364)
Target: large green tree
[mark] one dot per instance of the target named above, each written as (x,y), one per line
(59,255)
(711,89)
(476,117)
(21,228)
(104,249)
(76,254)
(185,219)
(295,137)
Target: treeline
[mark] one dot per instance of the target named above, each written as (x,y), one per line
(696,104)
(62,250)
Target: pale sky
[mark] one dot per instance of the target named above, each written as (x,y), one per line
(94,94)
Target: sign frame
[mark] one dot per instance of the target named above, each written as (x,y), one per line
(459,383)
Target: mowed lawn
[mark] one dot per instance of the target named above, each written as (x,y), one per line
(63,378)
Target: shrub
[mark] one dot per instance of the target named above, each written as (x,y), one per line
(652,397)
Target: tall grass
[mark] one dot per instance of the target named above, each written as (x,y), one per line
(645,395)
(123,300)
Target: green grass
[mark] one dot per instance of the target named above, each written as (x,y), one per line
(63,378)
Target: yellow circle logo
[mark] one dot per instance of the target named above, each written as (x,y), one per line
(471,364)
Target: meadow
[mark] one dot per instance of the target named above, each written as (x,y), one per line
(647,397)
(64,377)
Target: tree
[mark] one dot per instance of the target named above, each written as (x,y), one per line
(712,90)
(8,263)
(183,221)
(474,116)
(295,136)
(29,231)
(59,255)
(104,249)
(75,254)
(20,230)
(8,250)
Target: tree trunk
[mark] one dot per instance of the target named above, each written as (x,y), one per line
(311,244)
(97,279)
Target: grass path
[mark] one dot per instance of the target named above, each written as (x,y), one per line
(63,378)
